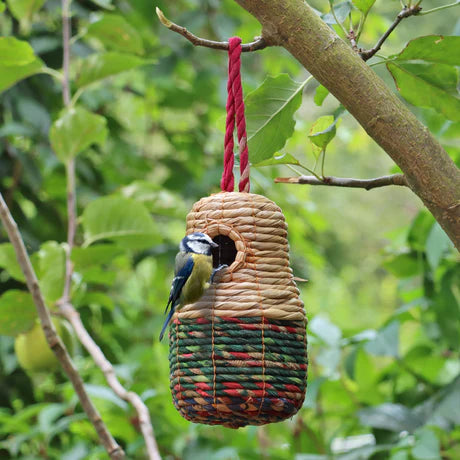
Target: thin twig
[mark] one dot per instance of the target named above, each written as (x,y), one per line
(106,367)
(53,339)
(439,8)
(257,44)
(404,13)
(368,184)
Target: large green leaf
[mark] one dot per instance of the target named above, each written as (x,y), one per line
(363,5)
(432,48)
(17,312)
(9,262)
(116,33)
(11,74)
(119,219)
(437,244)
(320,94)
(24,9)
(269,114)
(75,130)
(422,86)
(15,52)
(102,65)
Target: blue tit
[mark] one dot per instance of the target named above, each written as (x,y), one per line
(193,272)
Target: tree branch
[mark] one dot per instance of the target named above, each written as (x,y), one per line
(66,308)
(368,184)
(106,367)
(54,341)
(258,44)
(404,13)
(428,169)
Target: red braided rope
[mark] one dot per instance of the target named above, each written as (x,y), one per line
(235,109)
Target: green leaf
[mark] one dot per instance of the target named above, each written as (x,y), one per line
(15,52)
(279,159)
(269,114)
(11,74)
(323,131)
(107,4)
(363,5)
(420,229)
(320,94)
(437,244)
(95,255)
(24,9)
(420,86)
(386,343)
(328,332)
(116,33)
(9,262)
(388,416)
(51,270)
(17,312)
(122,220)
(75,130)
(404,265)
(2,7)
(426,445)
(342,10)
(432,48)
(102,65)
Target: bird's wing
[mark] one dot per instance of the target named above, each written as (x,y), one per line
(184,269)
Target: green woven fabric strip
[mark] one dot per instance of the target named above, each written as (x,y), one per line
(238,371)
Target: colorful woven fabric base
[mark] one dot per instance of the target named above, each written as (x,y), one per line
(238,371)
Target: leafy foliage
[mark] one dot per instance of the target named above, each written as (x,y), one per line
(145,130)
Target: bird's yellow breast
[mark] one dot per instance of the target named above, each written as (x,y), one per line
(198,280)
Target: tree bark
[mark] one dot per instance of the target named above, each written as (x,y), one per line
(430,172)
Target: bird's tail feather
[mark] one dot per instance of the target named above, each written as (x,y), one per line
(165,325)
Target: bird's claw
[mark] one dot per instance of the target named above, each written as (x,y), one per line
(215,270)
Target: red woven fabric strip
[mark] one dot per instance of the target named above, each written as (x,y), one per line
(235,109)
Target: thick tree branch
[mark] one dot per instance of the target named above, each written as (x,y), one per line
(429,171)
(258,44)
(53,339)
(368,184)
(404,13)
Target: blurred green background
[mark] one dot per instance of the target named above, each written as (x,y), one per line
(382,295)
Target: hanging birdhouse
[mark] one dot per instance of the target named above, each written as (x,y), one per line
(238,356)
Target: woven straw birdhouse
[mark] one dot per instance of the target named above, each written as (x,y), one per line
(238,356)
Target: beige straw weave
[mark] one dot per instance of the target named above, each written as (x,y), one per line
(260,281)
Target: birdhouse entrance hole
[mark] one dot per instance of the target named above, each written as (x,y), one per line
(225,254)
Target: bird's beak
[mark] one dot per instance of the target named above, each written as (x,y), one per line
(214,245)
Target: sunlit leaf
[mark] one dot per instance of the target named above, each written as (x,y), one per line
(122,220)
(363,5)
(75,130)
(279,159)
(24,9)
(102,65)
(320,94)
(116,33)
(11,74)
(404,265)
(51,270)
(17,312)
(323,131)
(424,89)
(433,48)
(269,114)
(15,52)
(2,7)
(9,262)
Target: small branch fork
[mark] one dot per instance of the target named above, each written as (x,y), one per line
(257,44)
(114,450)
(368,184)
(406,12)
